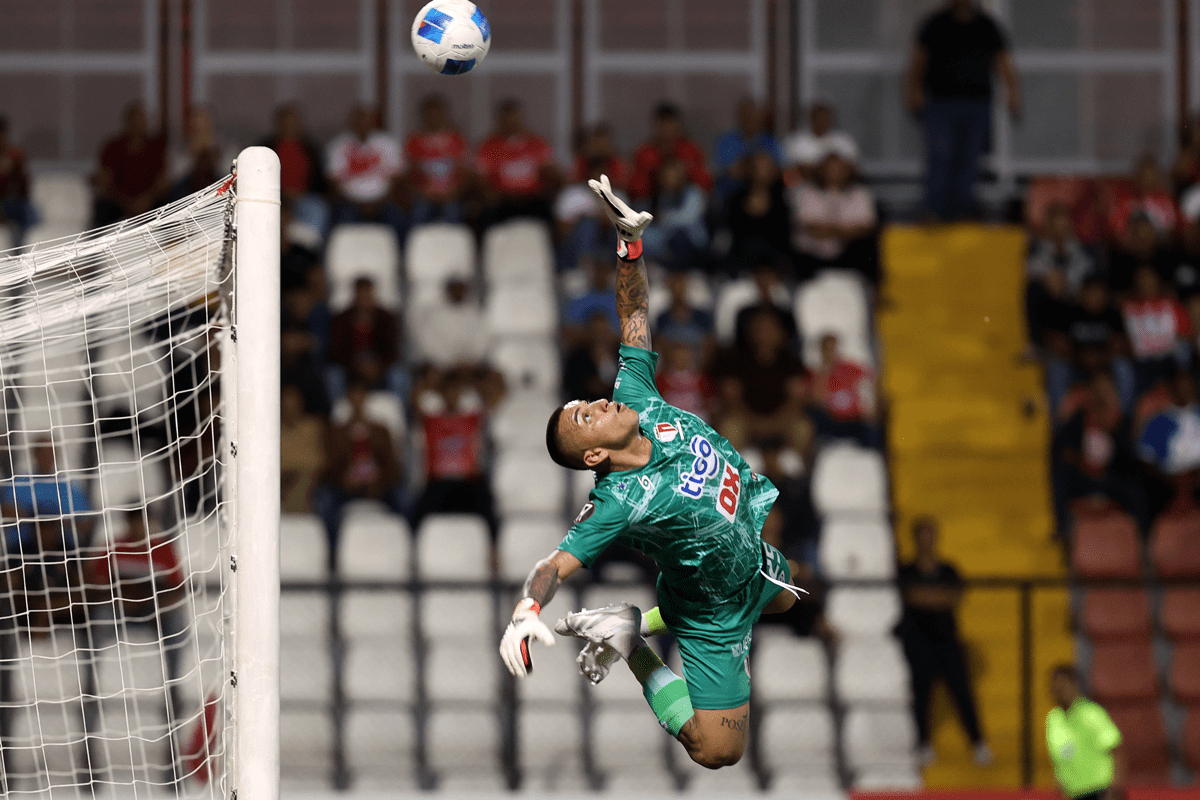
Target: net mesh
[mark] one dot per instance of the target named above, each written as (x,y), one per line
(115,606)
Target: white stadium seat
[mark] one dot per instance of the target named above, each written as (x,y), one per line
(788,667)
(520,310)
(518,253)
(127,481)
(582,481)
(462,670)
(525,483)
(113,385)
(378,669)
(363,250)
(458,615)
(550,749)
(6,238)
(520,421)
(305,669)
(380,743)
(738,780)
(382,407)
(834,302)
(453,546)
(435,253)
(464,741)
(375,546)
(305,745)
(875,737)
(798,738)
(870,669)
(62,197)
(528,362)
(556,678)
(863,611)
(628,741)
(855,548)
(303,548)
(848,478)
(731,299)
(526,540)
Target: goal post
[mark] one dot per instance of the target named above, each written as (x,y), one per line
(255,345)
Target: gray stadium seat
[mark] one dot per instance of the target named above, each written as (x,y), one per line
(835,301)
(305,670)
(798,738)
(518,252)
(454,614)
(629,746)
(550,748)
(555,677)
(380,747)
(520,310)
(873,737)
(464,742)
(463,670)
(528,363)
(863,611)
(856,548)
(306,746)
(528,483)
(377,628)
(363,250)
(62,198)
(127,481)
(870,668)
(435,253)
(520,421)
(453,547)
(375,546)
(303,547)
(850,479)
(526,540)
(50,231)
(788,667)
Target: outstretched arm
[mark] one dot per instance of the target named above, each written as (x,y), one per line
(633,302)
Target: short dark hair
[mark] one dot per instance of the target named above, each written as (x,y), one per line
(923,522)
(666,110)
(554,447)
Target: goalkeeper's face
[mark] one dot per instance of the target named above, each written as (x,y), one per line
(593,430)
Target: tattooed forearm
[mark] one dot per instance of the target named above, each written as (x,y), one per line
(633,303)
(542,582)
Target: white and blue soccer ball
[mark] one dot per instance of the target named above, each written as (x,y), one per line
(451,36)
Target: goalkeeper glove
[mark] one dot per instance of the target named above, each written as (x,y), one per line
(514,645)
(630,223)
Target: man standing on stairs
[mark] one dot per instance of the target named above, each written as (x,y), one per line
(1084,744)
(932,590)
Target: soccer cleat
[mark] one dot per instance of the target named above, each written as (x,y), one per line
(617,626)
(595,660)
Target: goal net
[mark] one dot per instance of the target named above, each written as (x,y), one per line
(118,482)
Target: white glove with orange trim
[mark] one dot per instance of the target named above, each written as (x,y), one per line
(630,223)
(525,625)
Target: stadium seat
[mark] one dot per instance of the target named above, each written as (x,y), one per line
(382,407)
(62,197)
(801,739)
(518,252)
(735,296)
(1185,673)
(834,302)
(111,367)
(127,481)
(699,294)
(305,670)
(459,615)
(464,741)
(363,250)
(856,548)
(305,745)
(526,540)
(788,667)
(378,634)
(528,363)
(380,745)
(462,670)
(50,231)
(870,669)
(520,421)
(1117,614)
(628,742)
(453,547)
(375,546)
(520,310)
(1175,545)
(738,780)
(1123,671)
(874,737)
(1144,742)
(435,253)
(848,478)
(861,611)
(557,678)
(1106,547)
(1189,743)
(1180,614)
(551,749)
(303,548)
(525,484)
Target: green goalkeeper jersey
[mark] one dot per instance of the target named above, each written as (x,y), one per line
(696,508)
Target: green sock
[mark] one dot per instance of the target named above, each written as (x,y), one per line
(665,691)
(652,623)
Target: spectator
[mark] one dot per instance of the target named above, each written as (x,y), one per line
(46,494)
(762,388)
(518,169)
(201,162)
(949,85)
(1049,315)
(834,221)
(438,165)
(748,136)
(1158,327)
(133,171)
(793,526)
(453,415)
(590,366)
(679,236)
(360,463)
(584,232)
(1059,249)
(931,590)
(596,145)
(364,344)
(1096,334)
(304,307)
(1084,744)
(681,380)
(302,365)
(774,299)
(807,149)
(15,208)
(757,215)
(598,298)
(1140,247)
(1148,196)
(1170,439)
(682,322)
(667,141)
(301,173)
(295,258)
(844,397)
(1093,456)
(301,458)
(363,165)
(453,332)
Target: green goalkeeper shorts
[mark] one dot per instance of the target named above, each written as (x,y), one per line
(714,644)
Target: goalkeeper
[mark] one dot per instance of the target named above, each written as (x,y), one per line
(671,486)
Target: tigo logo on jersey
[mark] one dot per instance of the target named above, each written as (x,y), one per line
(666,432)
(706,465)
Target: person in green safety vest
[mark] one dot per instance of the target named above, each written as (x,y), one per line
(1084,744)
